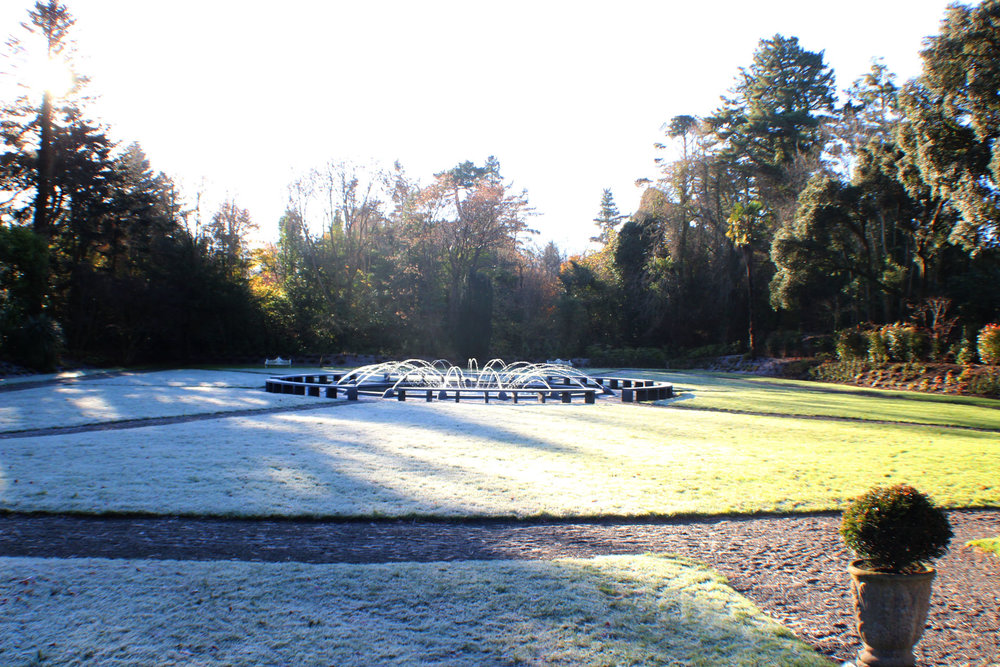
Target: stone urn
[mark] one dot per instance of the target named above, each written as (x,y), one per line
(890,610)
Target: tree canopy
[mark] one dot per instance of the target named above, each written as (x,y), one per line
(788,213)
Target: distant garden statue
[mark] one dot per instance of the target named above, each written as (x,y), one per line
(499,381)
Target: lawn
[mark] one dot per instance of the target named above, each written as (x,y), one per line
(641,610)
(378,458)
(135,396)
(987,545)
(386,458)
(747,393)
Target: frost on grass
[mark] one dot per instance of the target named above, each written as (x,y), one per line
(642,610)
(138,396)
(444,459)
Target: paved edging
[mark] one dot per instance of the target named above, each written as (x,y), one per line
(142,422)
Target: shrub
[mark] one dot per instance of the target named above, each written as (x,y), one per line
(895,528)
(989,344)
(878,347)
(965,355)
(35,342)
(784,343)
(896,336)
(839,371)
(627,357)
(984,381)
(851,345)
(904,342)
(951,383)
(712,350)
(921,346)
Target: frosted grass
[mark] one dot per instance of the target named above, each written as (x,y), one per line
(621,610)
(137,396)
(453,460)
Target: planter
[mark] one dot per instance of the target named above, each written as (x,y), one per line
(890,610)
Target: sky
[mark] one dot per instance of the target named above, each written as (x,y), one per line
(238,99)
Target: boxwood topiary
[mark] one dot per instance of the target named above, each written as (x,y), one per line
(895,529)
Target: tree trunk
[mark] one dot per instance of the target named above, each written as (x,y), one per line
(41,224)
(748,261)
(45,166)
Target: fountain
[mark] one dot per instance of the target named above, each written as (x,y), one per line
(519,381)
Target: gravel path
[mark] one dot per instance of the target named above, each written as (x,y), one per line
(793,567)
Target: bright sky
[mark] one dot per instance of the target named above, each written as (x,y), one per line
(570,96)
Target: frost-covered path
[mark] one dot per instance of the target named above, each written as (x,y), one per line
(157,421)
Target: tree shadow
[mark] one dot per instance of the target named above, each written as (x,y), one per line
(617,610)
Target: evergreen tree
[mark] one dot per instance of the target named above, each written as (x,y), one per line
(51,155)
(607,219)
(952,121)
(770,129)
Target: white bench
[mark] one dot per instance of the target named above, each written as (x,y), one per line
(277,361)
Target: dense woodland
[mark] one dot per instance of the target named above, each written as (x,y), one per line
(792,212)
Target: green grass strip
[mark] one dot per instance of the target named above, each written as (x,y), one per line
(988,545)
(744,393)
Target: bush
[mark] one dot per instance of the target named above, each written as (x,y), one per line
(784,343)
(819,345)
(35,342)
(965,355)
(895,529)
(989,344)
(878,347)
(904,342)
(839,371)
(983,381)
(896,338)
(627,357)
(851,344)
(711,351)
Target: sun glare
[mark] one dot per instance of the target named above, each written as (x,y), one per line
(53,75)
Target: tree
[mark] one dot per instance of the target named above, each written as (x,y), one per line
(695,275)
(773,120)
(42,129)
(30,339)
(227,234)
(99,249)
(865,249)
(870,113)
(589,307)
(482,221)
(49,24)
(952,121)
(607,219)
(747,223)
(679,177)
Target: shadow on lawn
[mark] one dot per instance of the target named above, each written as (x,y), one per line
(130,395)
(370,460)
(635,610)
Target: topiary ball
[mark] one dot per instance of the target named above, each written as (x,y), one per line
(895,528)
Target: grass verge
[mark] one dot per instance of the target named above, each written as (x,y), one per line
(621,610)
(989,545)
